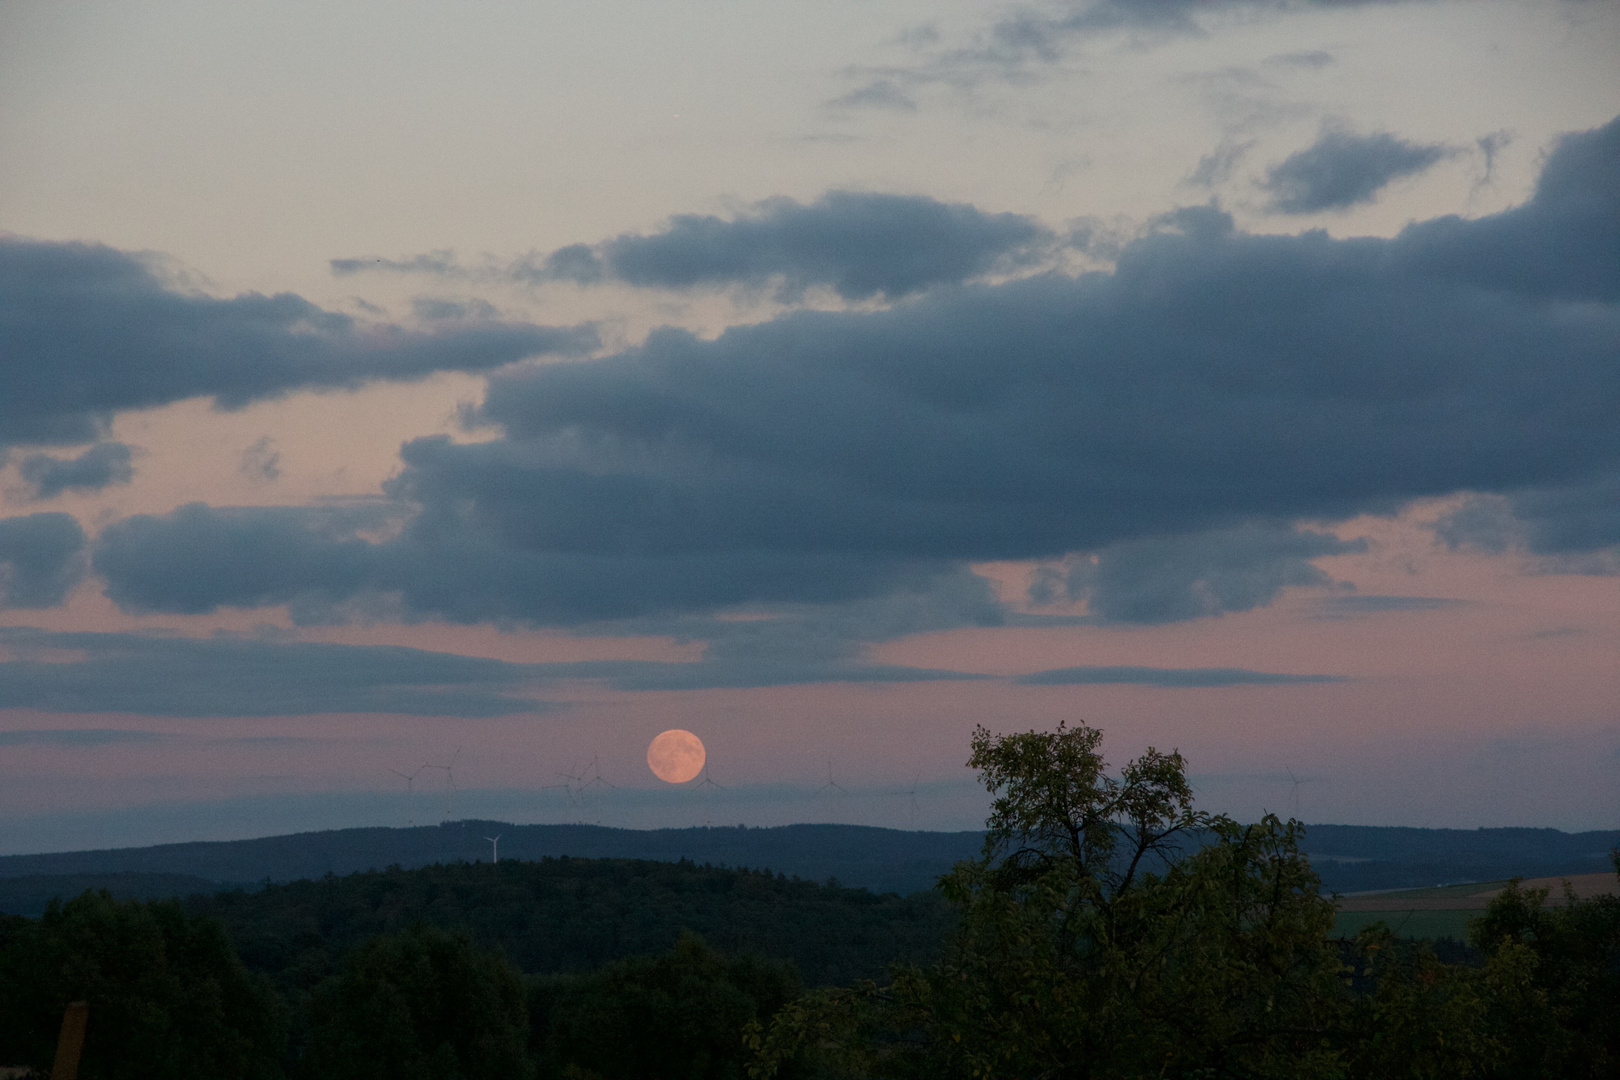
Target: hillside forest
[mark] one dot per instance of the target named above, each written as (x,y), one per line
(1108,929)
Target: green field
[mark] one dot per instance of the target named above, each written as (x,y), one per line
(1419,923)
(1407,924)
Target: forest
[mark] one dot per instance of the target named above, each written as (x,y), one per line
(1108,929)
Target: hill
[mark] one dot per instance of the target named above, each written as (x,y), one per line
(574,915)
(1349,858)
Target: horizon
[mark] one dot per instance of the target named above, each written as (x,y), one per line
(405,409)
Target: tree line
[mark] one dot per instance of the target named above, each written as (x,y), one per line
(1108,930)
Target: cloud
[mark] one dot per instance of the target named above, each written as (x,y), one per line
(261,462)
(439,309)
(1313,59)
(1216,167)
(878,94)
(77,737)
(1029,35)
(1170,578)
(432,262)
(162,675)
(1344,607)
(744,674)
(860,245)
(86,331)
(1177,417)
(156,675)
(100,466)
(1167,677)
(1573,528)
(41,559)
(1341,170)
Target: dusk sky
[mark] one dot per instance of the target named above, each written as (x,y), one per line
(495,385)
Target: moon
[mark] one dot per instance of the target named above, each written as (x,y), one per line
(676,756)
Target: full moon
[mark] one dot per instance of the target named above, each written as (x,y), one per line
(676,756)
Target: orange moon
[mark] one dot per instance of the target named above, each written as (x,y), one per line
(676,756)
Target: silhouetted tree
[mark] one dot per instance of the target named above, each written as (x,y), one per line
(168,996)
(420,1005)
(1109,930)
(680,1016)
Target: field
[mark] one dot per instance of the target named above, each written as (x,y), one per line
(1444,911)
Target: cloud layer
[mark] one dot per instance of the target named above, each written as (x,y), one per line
(1341,170)
(1178,417)
(165,675)
(103,465)
(86,331)
(41,559)
(859,245)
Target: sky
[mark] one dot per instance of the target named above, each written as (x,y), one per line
(409,409)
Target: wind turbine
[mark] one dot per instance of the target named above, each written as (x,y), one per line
(832,789)
(494,848)
(410,783)
(594,779)
(831,784)
(449,783)
(570,783)
(1295,791)
(911,794)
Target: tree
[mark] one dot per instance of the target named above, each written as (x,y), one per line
(679,1016)
(1108,930)
(420,1005)
(168,996)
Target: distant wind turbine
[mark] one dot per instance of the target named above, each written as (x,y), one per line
(911,794)
(831,784)
(1295,792)
(494,848)
(449,769)
(410,783)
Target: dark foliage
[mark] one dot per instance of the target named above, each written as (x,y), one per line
(1111,931)
(421,1005)
(561,915)
(1108,930)
(679,1016)
(168,996)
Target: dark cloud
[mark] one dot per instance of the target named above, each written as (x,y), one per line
(77,737)
(1216,167)
(1343,607)
(86,331)
(744,674)
(431,262)
(857,244)
(1175,417)
(159,675)
(100,466)
(1315,59)
(1167,677)
(1341,170)
(439,309)
(1170,578)
(261,461)
(1564,523)
(198,558)
(41,559)
(1032,35)
(878,94)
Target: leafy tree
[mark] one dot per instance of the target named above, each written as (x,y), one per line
(679,1016)
(168,996)
(1109,930)
(1559,1013)
(421,1005)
